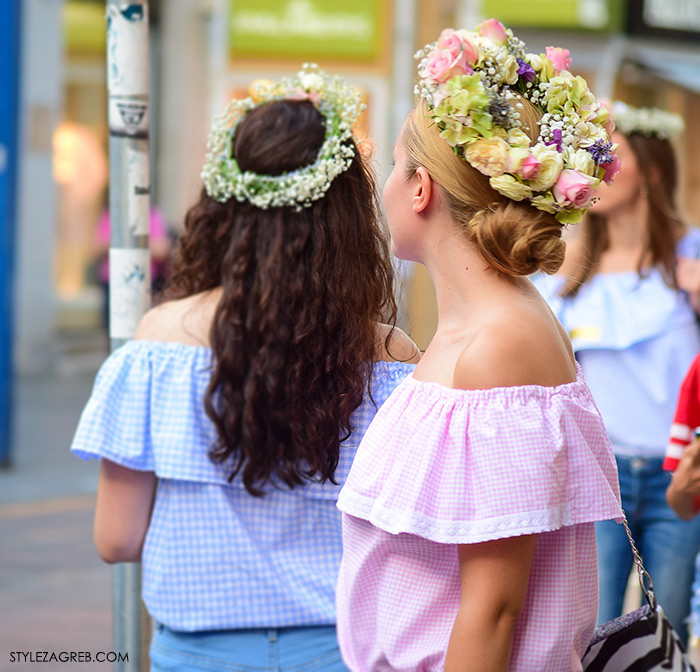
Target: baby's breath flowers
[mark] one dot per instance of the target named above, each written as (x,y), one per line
(339,104)
(650,121)
(474,82)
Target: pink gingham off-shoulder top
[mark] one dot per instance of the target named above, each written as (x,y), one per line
(440,467)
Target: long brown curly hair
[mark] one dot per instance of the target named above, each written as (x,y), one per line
(294,333)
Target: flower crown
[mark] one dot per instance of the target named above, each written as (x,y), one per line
(473,84)
(339,104)
(649,121)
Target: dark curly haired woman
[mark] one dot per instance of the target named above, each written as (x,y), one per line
(228,425)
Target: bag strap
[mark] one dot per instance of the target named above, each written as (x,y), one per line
(642,574)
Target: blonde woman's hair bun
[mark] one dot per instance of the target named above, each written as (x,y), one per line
(517,240)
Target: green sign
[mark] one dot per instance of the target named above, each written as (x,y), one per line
(84,27)
(594,15)
(329,29)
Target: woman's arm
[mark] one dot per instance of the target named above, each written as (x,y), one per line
(683,493)
(494,578)
(123,511)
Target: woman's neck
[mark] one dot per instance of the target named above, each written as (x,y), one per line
(627,228)
(464,283)
(627,238)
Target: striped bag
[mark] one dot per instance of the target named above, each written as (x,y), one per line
(641,641)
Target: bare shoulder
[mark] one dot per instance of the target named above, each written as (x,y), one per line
(515,352)
(398,348)
(184,321)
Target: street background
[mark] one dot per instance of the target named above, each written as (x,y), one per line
(55,593)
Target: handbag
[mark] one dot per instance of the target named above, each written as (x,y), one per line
(641,641)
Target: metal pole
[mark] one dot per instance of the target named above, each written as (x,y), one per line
(129,259)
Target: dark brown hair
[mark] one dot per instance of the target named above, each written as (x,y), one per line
(656,163)
(294,333)
(514,238)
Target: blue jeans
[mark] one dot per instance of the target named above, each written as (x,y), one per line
(310,649)
(667,544)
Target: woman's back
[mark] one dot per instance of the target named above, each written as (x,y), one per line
(211,547)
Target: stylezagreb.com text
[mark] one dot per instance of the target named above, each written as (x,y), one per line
(67,657)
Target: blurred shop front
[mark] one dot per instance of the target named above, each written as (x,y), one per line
(202,52)
(80,164)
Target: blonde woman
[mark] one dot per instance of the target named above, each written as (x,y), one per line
(468,527)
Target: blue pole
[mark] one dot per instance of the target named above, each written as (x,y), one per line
(10,31)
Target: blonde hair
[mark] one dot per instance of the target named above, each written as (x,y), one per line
(513,237)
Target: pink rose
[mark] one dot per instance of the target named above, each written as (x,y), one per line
(612,169)
(300,94)
(573,188)
(450,40)
(442,65)
(495,31)
(469,49)
(559,57)
(530,167)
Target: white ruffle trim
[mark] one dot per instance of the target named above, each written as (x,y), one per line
(463,532)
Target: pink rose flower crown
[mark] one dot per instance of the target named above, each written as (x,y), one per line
(474,82)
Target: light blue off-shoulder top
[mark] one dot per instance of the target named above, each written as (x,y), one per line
(635,339)
(214,556)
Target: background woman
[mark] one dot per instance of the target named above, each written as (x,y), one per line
(227,426)
(626,296)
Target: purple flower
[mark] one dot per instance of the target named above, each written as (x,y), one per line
(526,71)
(600,151)
(556,135)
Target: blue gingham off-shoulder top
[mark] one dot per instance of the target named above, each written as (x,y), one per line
(214,556)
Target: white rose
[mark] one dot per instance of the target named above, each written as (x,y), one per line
(509,70)
(310,81)
(535,61)
(552,165)
(581,160)
(518,138)
(488,155)
(510,187)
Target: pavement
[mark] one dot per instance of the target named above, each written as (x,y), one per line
(55,591)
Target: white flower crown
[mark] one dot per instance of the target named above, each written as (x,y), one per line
(473,84)
(339,104)
(650,121)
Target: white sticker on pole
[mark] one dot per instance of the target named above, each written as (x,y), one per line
(127,69)
(129,289)
(139,189)
(128,117)
(127,49)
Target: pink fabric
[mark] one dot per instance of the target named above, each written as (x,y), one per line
(440,467)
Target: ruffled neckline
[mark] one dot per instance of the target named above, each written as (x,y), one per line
(437,391)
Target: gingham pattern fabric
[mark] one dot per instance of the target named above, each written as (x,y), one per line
(215,557)
(635,339)
(440,467)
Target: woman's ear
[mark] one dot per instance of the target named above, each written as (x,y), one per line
(423,190)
